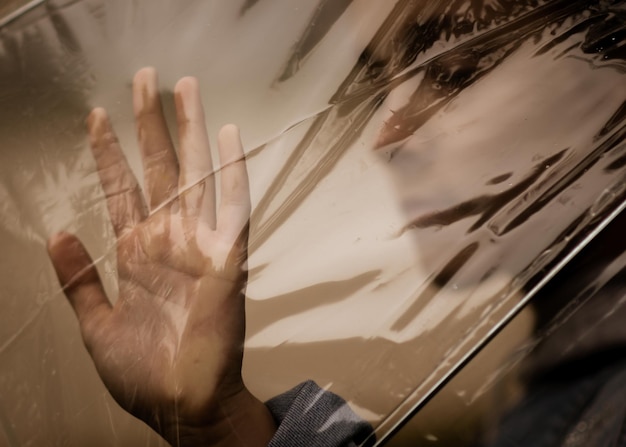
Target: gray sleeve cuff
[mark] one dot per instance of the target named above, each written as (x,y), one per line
(308,416)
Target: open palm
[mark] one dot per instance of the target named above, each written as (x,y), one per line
(170,349)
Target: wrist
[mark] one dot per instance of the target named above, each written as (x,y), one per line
(241,420)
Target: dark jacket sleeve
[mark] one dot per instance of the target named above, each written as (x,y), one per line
(308,416)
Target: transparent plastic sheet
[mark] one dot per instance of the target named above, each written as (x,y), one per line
(579,327)
(415,168)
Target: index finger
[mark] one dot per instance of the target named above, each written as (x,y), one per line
(121,189)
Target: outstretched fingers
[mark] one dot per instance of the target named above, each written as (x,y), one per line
(157,151)
(123,195)
(81,283)
(196,182)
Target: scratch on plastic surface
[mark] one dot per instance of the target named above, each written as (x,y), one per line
(17,334)
(110,416)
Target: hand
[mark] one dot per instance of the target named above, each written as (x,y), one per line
(170,349)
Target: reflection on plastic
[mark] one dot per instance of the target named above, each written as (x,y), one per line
(413,166)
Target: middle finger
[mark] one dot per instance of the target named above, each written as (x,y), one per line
(197,179)
(157,151)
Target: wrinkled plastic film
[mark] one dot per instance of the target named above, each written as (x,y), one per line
(412,167)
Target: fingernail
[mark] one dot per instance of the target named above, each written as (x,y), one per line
(144,87)
(187,91)
(95,119)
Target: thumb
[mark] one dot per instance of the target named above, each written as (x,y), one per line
(80,282)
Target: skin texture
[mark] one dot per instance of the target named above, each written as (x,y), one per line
(170,349)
